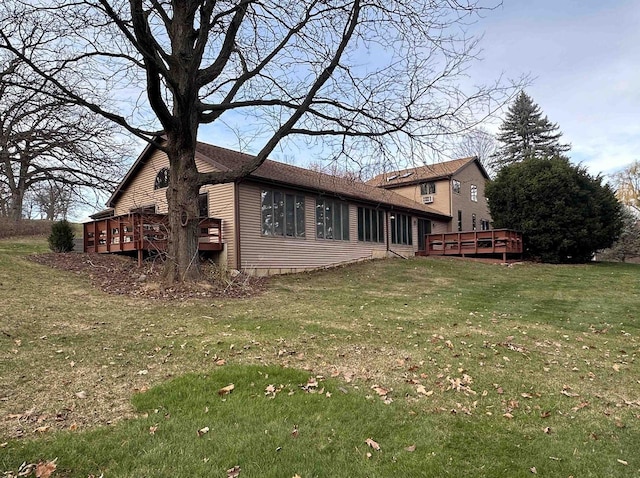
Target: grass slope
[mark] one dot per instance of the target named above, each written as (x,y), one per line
(486,370)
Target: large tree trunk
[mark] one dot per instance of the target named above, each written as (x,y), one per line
(182,196)
(15,204)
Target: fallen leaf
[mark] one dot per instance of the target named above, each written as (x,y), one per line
(295,432)
(221,362)
(153,430)
(508,415)
(226,390)
(372,444)
(533,470)
(4,444)
(45,469)
(81,394)
(411,448)
(547,430)
(369,455)
(73,427)
(42,429)
(143,372)
(580,406)
(202,431)
(616,367)
(623,462)
(380,390)
(296,476)
(545,414)
(421,390)
(233,472)
(566,393)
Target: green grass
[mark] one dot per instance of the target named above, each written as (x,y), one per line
(524,366)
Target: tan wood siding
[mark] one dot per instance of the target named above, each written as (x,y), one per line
(468,176)
(221,205)
(264,255)
(441,198)
(140,191)
(271,255)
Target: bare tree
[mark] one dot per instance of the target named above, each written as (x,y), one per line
(627,183)
(54,200)
(627,247)
(480,143)
(49,140)
(364,78)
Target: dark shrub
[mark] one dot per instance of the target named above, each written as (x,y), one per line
(61,238)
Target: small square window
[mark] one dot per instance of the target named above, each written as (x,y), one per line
(428,188)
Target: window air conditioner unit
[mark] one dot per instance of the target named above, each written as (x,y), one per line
(427,199)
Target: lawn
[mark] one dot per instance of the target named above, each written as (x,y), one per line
(449,367)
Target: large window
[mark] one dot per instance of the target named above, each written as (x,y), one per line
(401,229)
(485,225)
(162,179)
(370,225)
(428,188)
(474,193)
(282,214)
(455,186)
(332,220)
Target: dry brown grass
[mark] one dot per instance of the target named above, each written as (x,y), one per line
(25,227)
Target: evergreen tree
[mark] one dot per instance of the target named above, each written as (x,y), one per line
(61,238)
(525,133)
(565,214)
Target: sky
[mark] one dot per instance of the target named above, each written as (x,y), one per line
(583,57)
(583,61)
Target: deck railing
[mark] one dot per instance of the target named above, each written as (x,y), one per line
(497,241)
(144,232)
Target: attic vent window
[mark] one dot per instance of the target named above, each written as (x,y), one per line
(391,178)
(406,175)
(162,179)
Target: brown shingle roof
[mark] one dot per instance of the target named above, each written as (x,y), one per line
(422,173)
(321,183)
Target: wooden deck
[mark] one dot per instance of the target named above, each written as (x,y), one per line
(474,243)
(139,232)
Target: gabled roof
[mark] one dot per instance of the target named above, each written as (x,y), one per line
(282,174)
(429,172)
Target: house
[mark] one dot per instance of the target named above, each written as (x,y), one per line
(282,218)
(454,188)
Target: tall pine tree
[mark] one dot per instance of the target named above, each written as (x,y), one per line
(525,133)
